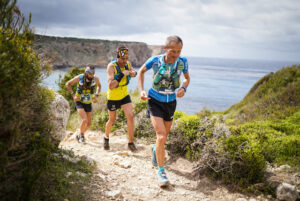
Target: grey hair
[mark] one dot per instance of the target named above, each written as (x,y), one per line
(175,39)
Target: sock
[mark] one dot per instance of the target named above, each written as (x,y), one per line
(161,168)
(130,143)
(106,137)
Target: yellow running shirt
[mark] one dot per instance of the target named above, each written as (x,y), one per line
(121,91)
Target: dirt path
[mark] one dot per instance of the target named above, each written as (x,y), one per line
(123,175)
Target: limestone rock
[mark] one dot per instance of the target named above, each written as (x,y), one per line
(241,199)
(286,192)
(60,111)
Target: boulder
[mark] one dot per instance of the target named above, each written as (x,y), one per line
(286,192)
(60,111)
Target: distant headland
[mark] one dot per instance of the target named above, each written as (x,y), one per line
(63,52)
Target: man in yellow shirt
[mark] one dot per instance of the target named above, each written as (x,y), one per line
(119,72)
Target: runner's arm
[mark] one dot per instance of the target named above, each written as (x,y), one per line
(98,85)
(71,82)
(141,78)
(185,84)
(112,83)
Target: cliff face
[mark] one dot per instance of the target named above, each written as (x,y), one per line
(67,52)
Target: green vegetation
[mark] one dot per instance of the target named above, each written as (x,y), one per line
(28,168)
(275,96)
(236,144)
(64,178)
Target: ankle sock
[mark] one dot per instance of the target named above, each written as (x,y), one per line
(161,168)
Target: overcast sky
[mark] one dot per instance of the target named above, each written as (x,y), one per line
(251,29)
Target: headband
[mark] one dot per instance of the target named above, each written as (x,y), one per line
(122,52)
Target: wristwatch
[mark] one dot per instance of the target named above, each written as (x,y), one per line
(183,88)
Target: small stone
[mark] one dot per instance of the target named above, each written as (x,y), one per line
(241,199)
(81,174)
(114,194)
(68,174)
(101,176)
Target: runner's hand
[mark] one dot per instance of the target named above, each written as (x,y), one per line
(76,98)
(132,73)
(126,72)
(95,99)
(144,95)
(180,93)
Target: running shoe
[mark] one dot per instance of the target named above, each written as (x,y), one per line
(106,143)
(131,147)
(162,179)
(80,138)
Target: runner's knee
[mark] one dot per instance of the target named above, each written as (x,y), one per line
(111,121)
(89,123)
(85,121)
(161,139)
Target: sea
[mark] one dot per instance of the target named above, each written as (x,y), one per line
(216,83)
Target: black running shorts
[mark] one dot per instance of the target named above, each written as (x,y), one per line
(161,109)
(113,105)
(86,107)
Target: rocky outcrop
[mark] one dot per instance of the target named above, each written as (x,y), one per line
(70,52)
(60,111)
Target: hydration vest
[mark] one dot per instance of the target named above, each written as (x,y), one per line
(85,89)
(118,70)
(167,78)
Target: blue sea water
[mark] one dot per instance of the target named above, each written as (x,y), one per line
(216,83)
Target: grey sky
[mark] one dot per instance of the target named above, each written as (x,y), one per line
(256,29)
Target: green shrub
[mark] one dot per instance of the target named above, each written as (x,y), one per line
(99,120)
(183,134)
(24,108)
(143,127)
(139,106)
(247,161)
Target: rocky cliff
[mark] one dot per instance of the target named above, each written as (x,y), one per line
(69,52)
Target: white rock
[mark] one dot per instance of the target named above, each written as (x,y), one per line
(283,167)
(68,174)
(73,160)
(252,199)
(114,194)
(60,112)
(122,153)
(88,159)
(101,176)
(241,199)
(125,164)
(286,192)
(81,174)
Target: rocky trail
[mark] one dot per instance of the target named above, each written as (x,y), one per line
(123,175)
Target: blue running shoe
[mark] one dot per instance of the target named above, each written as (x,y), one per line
(162,179)
(154,161)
